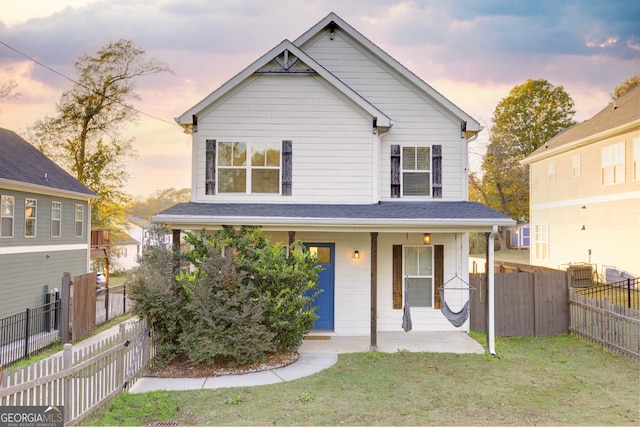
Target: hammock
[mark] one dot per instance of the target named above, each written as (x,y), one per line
(457,318)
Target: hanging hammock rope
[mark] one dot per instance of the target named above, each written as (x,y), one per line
(457,318)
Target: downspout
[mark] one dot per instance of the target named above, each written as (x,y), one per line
(491,324)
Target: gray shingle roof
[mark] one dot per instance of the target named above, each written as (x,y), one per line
(383,210)
(22,162)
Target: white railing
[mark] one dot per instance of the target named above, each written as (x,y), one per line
(84,379)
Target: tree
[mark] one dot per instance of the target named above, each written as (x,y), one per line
(532,114)
(623,87)
(5,90)
(85,135)
(159,201)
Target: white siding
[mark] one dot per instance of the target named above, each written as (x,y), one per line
(332,139)
(417,119)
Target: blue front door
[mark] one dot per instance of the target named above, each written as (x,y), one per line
(324,301)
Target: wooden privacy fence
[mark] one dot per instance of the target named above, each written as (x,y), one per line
(612,326)
(525,303)
(84,306)
(81,380)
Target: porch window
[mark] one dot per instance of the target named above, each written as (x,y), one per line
(418,272)
(56,218)
(541,238)
(79,220)
(30,216)
(416,171)
(248,167)
(7,206)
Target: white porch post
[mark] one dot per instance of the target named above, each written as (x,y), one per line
(491,332)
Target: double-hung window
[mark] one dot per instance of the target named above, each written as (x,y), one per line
(576,166)
(248,167)
(612,161)
(7,207)
(418,272)
(30,216)
(416,171)
(79,220)
(541,239)
(56,219)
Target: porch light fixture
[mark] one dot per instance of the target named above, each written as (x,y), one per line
(356,254)
(426,238)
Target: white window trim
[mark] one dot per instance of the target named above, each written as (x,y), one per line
(34,218)
(13,216)
(407,276)
(612,163)
(75,223)
(429,171)
(248,168)
(59,220)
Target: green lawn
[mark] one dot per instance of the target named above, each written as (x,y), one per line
(536,381)
(508,255)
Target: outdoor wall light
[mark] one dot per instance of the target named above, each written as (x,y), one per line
(426,238)
(356,254)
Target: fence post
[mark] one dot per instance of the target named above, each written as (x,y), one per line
(64,310)
(47,317)
(26,334)
(628,292)
(68,382)
(124,299)
(106,304)
(56,316)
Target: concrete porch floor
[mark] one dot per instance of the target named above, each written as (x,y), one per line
(391,342)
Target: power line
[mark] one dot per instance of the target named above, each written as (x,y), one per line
(80,84)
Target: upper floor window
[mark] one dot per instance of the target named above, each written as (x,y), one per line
(612,162)
(416,171)
(30,216)
(576,165)
(636,159)
(79,220)
(7,206)
(248,167)
(56,219)
(418,271)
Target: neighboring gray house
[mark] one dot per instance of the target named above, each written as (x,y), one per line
(331,141)
(45,224)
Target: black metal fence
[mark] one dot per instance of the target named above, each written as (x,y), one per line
(111,302)
(30,331)
(624,293)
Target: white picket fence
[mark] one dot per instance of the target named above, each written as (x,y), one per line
(81,380)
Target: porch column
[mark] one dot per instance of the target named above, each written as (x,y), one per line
(292,237)
(490,268)
(175,240)
(374,292)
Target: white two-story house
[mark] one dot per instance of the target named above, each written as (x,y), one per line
(330,141)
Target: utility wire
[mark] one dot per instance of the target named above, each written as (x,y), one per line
(80,84)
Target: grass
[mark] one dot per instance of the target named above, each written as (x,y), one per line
(542,381)
(520,256)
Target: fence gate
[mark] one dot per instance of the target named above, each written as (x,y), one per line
(84,306)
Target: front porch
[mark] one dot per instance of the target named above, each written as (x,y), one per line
(391,342)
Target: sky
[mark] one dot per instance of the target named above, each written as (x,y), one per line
(471,51)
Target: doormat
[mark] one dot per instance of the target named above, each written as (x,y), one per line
(317,337)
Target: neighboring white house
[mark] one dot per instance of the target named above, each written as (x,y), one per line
(330,141)
(45,225)
(124,254)
(585,192)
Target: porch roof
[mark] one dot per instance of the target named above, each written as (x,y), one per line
(395,216)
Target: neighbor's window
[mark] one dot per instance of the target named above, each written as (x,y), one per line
(541,239)
(56,218)
(7,206)
(30,214)
(576,165)
(79,217)
(551,172)
(612,161)
(248,167)
(416,171)
(418,274)
(636,159)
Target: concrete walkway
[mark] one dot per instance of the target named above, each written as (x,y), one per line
(320,352)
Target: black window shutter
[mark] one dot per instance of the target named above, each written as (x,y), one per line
(438,273)
(436,163)
(395,171)
(397,276)
(287,166)
(210,167)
